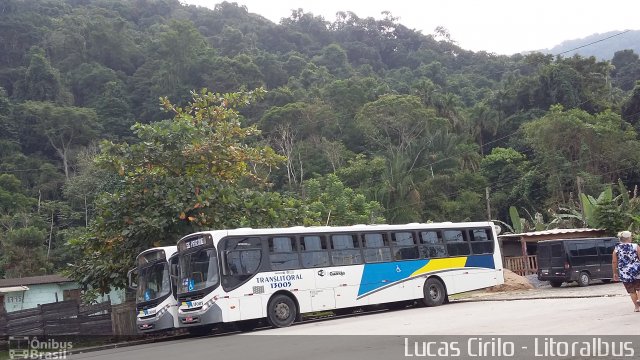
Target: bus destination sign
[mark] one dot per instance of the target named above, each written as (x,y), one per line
(194,243)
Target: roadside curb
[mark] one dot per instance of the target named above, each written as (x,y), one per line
(480,299)
(121,344)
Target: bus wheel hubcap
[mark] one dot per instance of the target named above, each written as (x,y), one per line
(282,311)
(433,292)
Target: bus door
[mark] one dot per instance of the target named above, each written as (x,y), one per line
(315,256)
(242,258)
(344,277)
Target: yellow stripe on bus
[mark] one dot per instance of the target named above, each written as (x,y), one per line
(440,264)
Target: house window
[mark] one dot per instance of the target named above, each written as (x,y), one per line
(73,294)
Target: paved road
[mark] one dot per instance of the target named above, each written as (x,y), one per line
(543,317)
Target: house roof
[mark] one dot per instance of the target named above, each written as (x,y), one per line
(553,233)
(34,280)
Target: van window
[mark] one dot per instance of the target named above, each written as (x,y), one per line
(587,249)
(556,250)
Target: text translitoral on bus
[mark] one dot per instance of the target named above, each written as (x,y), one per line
(247,274)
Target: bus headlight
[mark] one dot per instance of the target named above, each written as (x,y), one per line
(162,311)
(208,304)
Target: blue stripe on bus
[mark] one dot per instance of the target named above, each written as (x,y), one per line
(375,276)
(482,261)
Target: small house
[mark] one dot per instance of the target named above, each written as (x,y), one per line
(29,292)
(519,250)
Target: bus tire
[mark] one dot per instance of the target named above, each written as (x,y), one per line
(281,311)
(584,279)
(434,292)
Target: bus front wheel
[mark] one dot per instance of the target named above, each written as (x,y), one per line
(281,311)
(434,293)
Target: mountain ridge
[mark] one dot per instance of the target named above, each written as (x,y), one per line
(601,45)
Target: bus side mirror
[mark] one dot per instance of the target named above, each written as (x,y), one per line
(133,285)
(174,270)
(223,263)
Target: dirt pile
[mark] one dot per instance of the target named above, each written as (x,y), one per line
(512,281)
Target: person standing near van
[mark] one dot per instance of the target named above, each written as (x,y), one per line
(626,266)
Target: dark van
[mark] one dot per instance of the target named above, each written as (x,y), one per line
(579,260)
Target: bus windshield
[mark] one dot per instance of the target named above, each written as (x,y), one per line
(153,281)
(198,270)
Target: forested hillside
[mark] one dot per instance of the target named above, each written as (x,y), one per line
(602,46)
(109,145)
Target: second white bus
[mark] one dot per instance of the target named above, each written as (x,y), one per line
(242,275)
(156,303)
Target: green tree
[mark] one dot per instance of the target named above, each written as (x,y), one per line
(41,81)
(64,128)
(196,171)
(332,203)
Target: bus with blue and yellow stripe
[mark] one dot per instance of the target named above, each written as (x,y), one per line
(245,275)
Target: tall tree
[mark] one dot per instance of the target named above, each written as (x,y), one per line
(65,128)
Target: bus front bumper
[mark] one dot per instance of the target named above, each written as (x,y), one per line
(211,315)
(153,324)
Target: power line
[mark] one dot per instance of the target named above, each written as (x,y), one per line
(593,42)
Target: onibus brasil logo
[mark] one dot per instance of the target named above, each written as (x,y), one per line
(25,347)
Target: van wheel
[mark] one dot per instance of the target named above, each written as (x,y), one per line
(555,283)
(434,293)
(281,311)
(584,279)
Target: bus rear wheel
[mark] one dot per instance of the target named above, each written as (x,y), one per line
(281,311)
(434,292)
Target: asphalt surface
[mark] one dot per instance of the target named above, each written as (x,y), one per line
(388,335)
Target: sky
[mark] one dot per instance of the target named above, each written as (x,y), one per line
(496,26)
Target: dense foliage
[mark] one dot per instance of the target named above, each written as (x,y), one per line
(109,145)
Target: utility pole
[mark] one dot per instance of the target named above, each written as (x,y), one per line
(579,183)
(486,192)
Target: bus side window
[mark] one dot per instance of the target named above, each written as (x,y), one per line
(457,244)
(432,245)
(345,250)
(314,251)
(243,256)
(481,241)
(376,248)
(404,246)
(283,253)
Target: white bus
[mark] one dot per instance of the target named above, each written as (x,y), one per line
(247,274)
(156,293)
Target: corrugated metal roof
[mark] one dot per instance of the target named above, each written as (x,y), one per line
(34,280)
(553,232)
(4,290)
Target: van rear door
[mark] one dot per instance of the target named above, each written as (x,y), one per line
(551,259)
